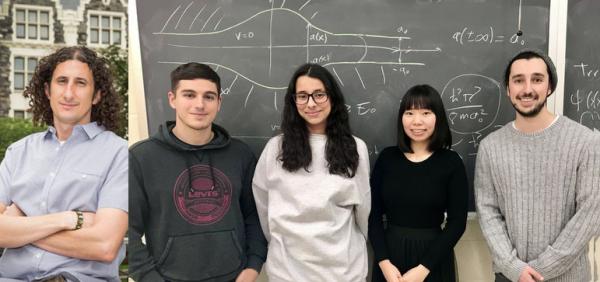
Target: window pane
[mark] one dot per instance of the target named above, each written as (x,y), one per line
(32,16)
(44,32)
(19,81)
(105,37)
(94,36)
(19,64)
(20,30)
(29,76)
(44,18)
(31,64)
(105,22)
(116,23)
(21,16)
(93,21)
(32,32)
(20,114)
(116,37)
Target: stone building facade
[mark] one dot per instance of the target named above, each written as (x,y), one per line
(32,29)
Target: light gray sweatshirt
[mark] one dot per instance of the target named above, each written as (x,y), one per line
(315,222)
(538,199)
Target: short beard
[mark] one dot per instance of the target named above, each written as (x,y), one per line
(534,112)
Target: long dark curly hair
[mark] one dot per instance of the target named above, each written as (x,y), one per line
(341,153)
(105,112)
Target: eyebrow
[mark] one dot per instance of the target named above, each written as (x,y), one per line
(535,74)
(316,91)
(192,91)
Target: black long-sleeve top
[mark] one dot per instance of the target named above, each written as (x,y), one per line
(416,195)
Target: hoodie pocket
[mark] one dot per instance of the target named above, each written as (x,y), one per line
(201,256)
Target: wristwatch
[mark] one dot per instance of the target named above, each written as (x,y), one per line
(79,220)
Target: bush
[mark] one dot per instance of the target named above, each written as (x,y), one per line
(12,130)
(117,59)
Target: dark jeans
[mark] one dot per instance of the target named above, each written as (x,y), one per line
(501,278)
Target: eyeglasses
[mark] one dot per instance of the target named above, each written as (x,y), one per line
(318,97)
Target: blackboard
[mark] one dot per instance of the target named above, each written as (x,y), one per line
(582,67)
(376,50)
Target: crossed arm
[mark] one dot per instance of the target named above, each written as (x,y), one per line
(99,239)
(17,230)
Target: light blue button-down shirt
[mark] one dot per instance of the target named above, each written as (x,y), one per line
(41,176)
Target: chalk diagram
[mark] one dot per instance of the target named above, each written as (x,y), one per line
(252,52)
(472,105)
(261,36)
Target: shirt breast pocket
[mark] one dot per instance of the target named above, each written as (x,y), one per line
(75,190)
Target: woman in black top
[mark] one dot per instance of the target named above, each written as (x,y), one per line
(413,184)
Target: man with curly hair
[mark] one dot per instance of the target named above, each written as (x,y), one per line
(63,192)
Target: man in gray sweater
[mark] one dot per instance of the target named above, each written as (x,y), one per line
(537,183)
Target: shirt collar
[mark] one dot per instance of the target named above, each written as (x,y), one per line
(91,130)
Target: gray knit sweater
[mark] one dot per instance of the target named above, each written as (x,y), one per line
(538,199)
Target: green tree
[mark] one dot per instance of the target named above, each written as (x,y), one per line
(117,59)
(12,130)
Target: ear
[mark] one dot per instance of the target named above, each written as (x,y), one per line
(97,98)
(219,105)
(47,90)
(172,97)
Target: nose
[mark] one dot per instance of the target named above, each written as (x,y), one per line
(199,103)
(70,91)
(311,101)
(528,87)
(417,119)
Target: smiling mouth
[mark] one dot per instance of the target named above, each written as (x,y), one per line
(68,105)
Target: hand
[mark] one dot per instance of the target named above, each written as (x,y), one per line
(13,210)
(415,274)
(390,271)
(530,275)
(247,275)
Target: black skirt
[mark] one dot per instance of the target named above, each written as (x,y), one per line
(406,248)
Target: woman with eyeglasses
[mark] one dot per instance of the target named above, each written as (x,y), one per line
(414,184)
(311,186)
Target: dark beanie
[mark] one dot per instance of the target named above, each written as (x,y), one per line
(534,53)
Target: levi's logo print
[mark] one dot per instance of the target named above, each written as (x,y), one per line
(202,194)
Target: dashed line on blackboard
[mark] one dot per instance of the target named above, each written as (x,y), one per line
(211,15)
(218,22)
(201,10)
(360,78)
(248,96)
(182,14)
(169,19)
(304,5)
(338,77)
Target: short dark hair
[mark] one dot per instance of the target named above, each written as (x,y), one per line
(530,54)
(191,71)
(340,151)
(425,97)
(105,112)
